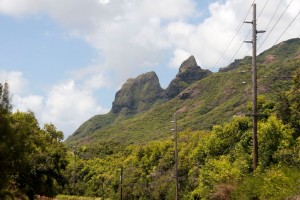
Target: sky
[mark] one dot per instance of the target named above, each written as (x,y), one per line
(65,59)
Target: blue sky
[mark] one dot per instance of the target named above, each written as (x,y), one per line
(65,60)
(41,49)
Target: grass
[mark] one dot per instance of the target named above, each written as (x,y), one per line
(69,197)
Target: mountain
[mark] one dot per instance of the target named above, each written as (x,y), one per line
(200,99)
(189,72)
(138,94)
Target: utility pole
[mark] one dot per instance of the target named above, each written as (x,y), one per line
(102,179)
(254,88)
(74,175)
(176,156)
(121,182)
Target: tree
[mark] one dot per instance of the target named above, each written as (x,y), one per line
(288,107)
(7,138)
(32,159)
(5,98)
(52,134)
(39,170)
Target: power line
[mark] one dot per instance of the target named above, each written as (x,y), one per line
(271,18)
(231,59)
(247,52)
(249,49)
(275,24)
(274,14)
(238,30)
(287,27)
(239,48)
(262,9)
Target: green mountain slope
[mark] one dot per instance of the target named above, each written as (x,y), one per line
(199,105)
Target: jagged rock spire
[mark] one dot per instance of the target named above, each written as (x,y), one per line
(189,72)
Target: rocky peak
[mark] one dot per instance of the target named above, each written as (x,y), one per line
(189,72)
(188,64)
(137,94)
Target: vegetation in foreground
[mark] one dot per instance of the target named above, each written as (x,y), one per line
(212,165)
(71,197)
(32,159)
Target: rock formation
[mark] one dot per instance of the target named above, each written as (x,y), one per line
(189,72)
(137,94)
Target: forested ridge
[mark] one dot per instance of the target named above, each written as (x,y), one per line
(213,163)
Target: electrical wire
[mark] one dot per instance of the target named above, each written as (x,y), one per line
(275,25)
(231,59)
(274,14)
(239,48)
(271,18)
(287,27)
(263,9)
(239,28)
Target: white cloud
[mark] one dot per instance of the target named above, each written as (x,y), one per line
(17,83)
(30,102)
(19,90)
(104,1)
(96,81)
(92,77)
(178,57)
(67,105)
(131,35)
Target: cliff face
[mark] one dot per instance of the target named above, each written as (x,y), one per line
(189,72)
(137,94)
(140,93)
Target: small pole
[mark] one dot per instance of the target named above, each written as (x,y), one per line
(74,174)
(176,156)
(102,188)
(121,183)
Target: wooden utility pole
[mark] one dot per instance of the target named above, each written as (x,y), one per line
(176,156)
(74,175)
(254,88)
(121,183)
(102,180)
(254,92)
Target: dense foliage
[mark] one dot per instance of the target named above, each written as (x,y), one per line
(203,104)
(214,164)
(32,159)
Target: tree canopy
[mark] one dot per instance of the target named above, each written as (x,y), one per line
(32,159)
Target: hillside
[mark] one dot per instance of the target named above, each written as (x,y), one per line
(206,100)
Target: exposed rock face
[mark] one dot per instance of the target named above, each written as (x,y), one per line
(189,72)
(137,94)
(269,59)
